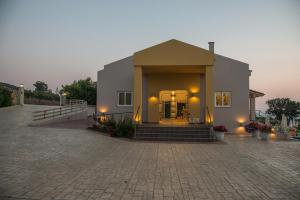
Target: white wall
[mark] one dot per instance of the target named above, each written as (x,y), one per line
(233,76)
(116,76)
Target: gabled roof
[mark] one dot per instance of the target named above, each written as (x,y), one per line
(173,53)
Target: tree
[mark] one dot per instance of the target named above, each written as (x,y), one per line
(82,89)
(40,86)
(285,106)
(5,97)
(41,91)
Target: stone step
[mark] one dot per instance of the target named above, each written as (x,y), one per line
(174,133)
(176,139)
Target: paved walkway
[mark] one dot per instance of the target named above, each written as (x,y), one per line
(59,163)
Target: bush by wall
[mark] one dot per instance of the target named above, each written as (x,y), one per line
(5,97)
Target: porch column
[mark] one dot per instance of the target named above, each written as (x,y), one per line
(252,108)
(209,100)
(138,92)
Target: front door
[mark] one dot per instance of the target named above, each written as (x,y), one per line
(167,105)
(180,109)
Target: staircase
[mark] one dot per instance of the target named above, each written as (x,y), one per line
(189,133)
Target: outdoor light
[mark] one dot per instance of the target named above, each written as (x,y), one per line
(103,118)
(173,95)
(103,110)
(240,122)
(21,85)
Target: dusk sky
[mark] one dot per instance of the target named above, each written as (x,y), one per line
(61,41)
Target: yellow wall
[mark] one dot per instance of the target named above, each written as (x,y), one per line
(158,82)
(173,53)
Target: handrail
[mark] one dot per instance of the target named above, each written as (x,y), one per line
(137,112)
(208,113)
(211,131)
(111,115)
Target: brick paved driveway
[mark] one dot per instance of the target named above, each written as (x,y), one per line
(57,163)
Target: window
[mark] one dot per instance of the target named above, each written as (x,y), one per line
(124,98)
(222,99)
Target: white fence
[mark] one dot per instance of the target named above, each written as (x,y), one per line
(73,106)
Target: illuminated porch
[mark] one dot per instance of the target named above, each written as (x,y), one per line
(173,66)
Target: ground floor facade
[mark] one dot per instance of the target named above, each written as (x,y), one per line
(177,83)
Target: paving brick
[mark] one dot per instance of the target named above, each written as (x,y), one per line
(57,163)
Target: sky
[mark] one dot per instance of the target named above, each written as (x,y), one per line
(61,41)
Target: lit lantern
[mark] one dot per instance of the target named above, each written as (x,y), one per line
(102,118)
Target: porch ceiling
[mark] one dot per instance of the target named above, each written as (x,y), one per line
(173,53)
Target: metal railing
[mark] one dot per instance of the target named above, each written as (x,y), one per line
(75,101)
(116,116)
(73,106)
(211,131)
(208,114)
(137,114)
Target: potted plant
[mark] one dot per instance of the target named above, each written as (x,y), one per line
(253,128)
(111,127)
(264,131)
(219,132)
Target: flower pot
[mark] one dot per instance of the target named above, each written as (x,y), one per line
(255,133)
(219,135)
(264,136)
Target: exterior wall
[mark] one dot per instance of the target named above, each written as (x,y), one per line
(117,76)
(158,82)
(233,76)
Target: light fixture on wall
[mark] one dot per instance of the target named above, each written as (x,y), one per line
(240,122)
(152,94)
(173,94)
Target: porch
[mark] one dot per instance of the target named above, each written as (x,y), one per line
(172,84)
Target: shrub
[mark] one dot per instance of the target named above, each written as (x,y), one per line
(251,127)
(111,126)
(254,126)
(265,128)
(5,97)
(125,128)
(111,123)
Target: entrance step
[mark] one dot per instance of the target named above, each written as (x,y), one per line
(195,133)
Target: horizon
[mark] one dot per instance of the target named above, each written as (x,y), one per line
(59,42)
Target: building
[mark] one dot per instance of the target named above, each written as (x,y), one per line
(15,97)
(177,83)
